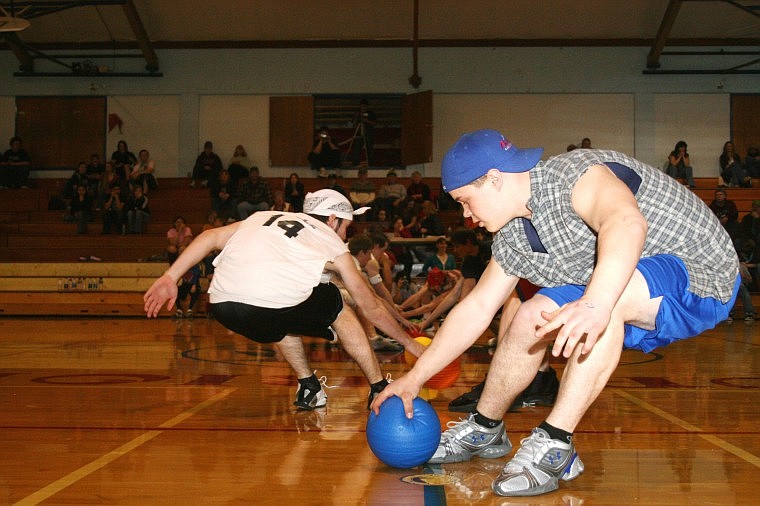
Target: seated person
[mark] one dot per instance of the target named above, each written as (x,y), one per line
(391,194)
(137,211)
(178,237)
(440,259)
(362,190)
(418,191)
(113,211)
(14,166)
(223,201)
(254,195)
(731,169)
(752,163)
(679,165)
(239,165)
(324,154)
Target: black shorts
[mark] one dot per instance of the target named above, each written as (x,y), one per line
(311,317)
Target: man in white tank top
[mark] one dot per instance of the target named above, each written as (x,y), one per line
(272,284)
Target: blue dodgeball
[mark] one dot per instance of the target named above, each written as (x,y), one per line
(400,442)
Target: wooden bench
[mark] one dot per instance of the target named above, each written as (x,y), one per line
(80,289)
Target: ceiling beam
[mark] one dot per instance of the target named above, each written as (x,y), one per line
(671,13)
(143,41)
(25,60)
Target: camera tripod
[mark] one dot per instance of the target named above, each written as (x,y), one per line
(356,157)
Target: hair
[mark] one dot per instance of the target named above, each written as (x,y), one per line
(379,239)
(359,243)
(680,144)
(464,236)
(15,138)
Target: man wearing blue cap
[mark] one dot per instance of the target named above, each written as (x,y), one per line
(628,258)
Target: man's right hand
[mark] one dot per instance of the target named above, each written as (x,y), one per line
(403,388)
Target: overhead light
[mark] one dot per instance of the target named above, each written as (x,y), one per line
(11,24)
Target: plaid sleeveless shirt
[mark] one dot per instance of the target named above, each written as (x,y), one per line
(555,247)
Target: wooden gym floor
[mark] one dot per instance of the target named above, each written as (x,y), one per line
(152,412)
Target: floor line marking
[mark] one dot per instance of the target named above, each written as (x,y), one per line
(720,443)
(104,460)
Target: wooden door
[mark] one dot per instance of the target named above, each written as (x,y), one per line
(59,132)
(290,130)
(417,128)
(745,120)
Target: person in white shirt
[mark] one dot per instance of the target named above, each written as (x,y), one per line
(272,285)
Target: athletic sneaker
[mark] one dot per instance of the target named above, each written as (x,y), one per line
(178,313)
(467,402)
(374,390)
(542,391)
(189,313)
(308,398)
(466,438)
(380,343)
(538,466)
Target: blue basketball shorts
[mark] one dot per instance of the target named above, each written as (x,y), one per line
(682,314)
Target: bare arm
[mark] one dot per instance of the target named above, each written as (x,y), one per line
(370,304)
(462,327)
(164,289)
(606,205)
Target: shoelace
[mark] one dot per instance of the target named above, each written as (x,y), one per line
(528,448)
(323,381)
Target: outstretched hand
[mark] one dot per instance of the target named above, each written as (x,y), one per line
(404,389)
(574,321)
(163,290)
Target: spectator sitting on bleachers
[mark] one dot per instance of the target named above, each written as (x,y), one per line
(137,210)
(79,177)
(178,237)
(108,180)
(731,169)
(239,165)
(679,165)
(143,172)
(280,204)
(95,171)
(752,162)
(295,193)
(14,166)
(331,183)
(440,259)
(726,212)
(362,190)
(207,166)
(391,194)
(123,160)
(253,195)
(418,191)
(113,211)
(223,200)
(381,223)
(750,224)
(80,208)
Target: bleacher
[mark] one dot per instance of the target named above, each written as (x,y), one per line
(41,254)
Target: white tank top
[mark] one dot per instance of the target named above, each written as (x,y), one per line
(274,260)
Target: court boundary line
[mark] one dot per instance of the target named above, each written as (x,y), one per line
(102,461)
(720,443)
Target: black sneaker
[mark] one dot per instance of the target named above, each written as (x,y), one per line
(541,392)
(466,402)
(376,389)
(309,397)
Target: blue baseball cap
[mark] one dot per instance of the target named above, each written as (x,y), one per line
(475,153)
